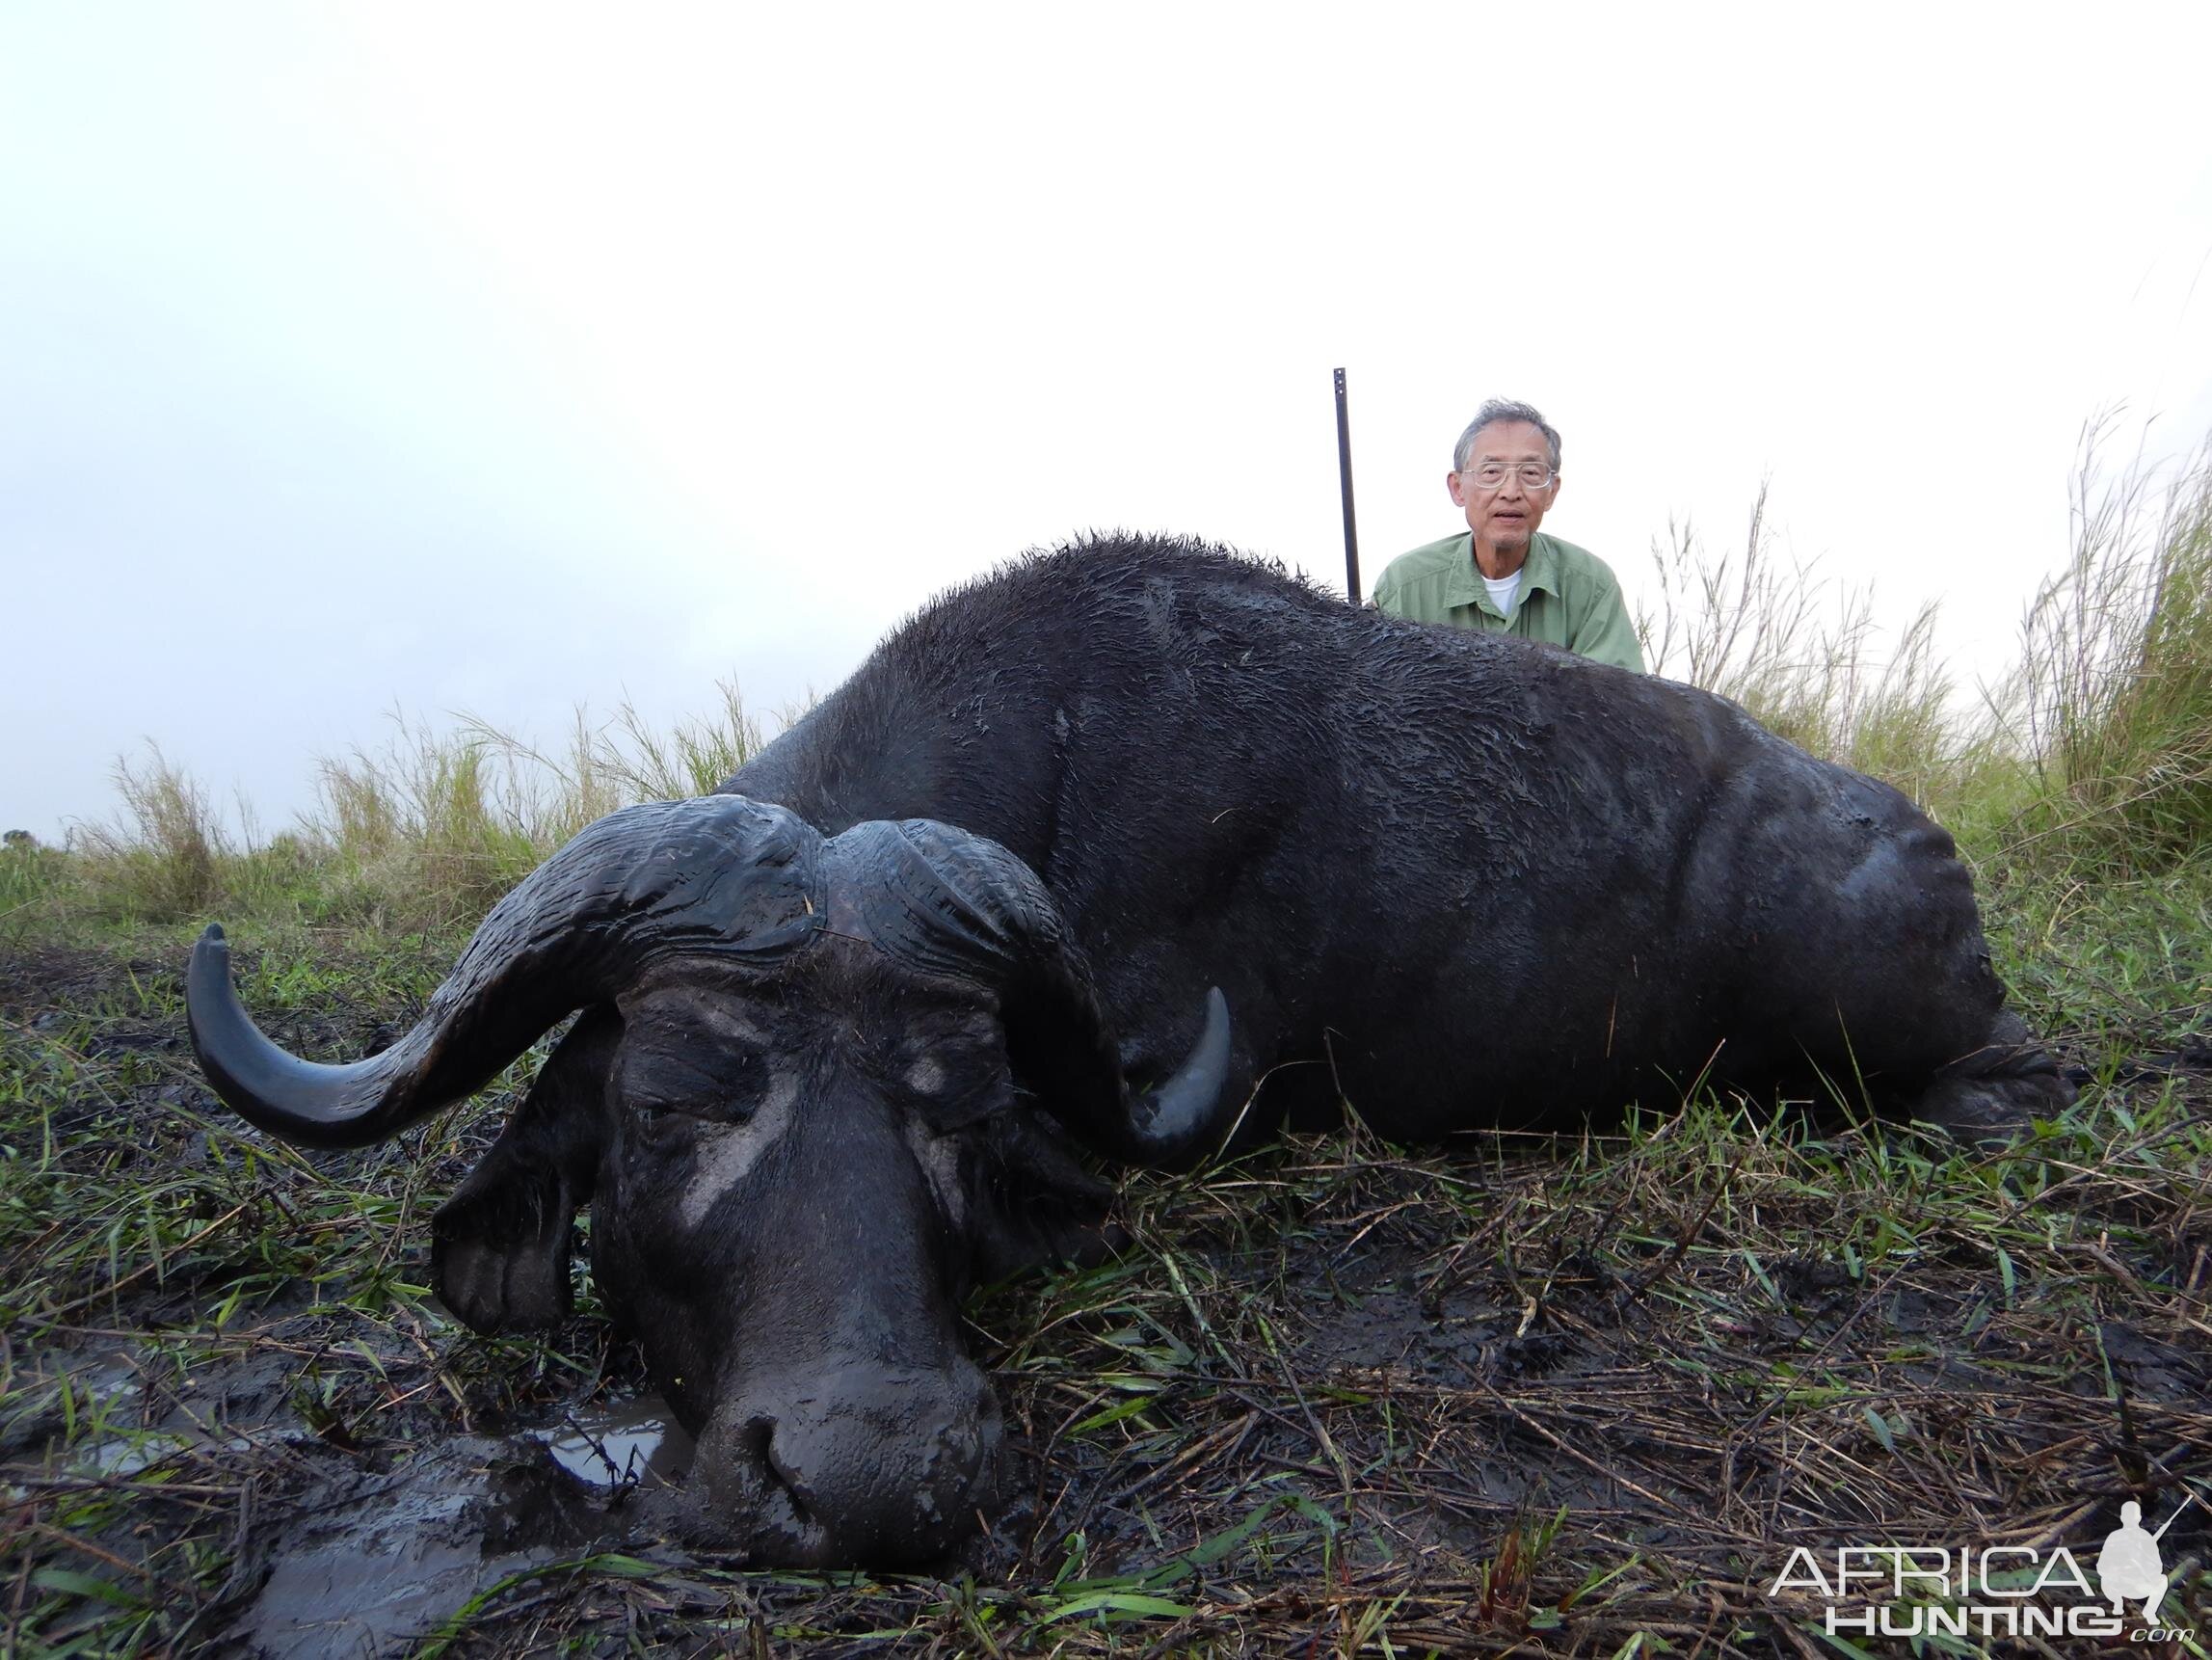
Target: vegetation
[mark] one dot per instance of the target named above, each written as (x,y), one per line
(1562,1396)
(1743,625)
(2113,700)
(423,835)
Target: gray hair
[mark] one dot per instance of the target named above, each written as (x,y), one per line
(1497,410)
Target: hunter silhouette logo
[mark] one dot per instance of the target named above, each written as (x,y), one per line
(2129,1565)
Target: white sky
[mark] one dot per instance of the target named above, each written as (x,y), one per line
(502,357)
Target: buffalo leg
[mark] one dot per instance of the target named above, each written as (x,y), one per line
(499,1246)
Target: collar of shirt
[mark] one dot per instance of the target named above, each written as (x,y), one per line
(1463,583)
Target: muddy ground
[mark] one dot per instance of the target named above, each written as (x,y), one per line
(1514,1396)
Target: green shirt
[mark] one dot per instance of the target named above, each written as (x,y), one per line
(1567,597)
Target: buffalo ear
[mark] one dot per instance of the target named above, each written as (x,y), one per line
(499,1246)
(1033,1204)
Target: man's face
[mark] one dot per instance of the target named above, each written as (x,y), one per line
(1506,514)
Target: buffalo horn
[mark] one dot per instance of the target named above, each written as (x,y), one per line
(950,902)
(722,874)
(349,1106)
(1178,1119)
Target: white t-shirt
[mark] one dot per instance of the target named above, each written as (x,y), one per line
(1502,589)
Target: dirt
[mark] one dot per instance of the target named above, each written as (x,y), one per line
(1378,1390)
(360,1549)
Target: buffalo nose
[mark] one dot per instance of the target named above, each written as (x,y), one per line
(852,1469)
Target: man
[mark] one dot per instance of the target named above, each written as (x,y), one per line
(1501,575)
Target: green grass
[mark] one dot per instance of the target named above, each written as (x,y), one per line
(1520,1395)
(2112,704)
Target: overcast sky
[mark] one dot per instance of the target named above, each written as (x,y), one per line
(497,358)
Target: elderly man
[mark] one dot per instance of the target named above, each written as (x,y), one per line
(1500,574)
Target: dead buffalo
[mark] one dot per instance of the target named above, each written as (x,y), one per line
(839,1022)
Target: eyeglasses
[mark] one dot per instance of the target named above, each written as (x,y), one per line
(1491,474)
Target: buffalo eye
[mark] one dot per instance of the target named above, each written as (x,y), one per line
(716,1082)
(953,1084)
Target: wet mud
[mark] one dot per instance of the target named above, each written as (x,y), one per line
(367,1564)
(358,1551)
(357,1542)
(374,1562)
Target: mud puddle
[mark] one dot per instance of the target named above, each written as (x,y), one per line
(372,1563)
(342,1548)
(369,1564)
(635,1443)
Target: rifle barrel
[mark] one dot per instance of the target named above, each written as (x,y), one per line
(1343,480)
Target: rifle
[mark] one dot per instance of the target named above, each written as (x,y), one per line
(1343,479)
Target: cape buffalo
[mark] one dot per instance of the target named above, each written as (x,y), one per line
(838,1023)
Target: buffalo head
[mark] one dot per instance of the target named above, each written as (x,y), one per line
(802,1098)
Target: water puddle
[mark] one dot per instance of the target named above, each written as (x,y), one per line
(622,1444)
(128,1454)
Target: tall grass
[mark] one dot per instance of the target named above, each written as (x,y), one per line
(442,824)
(691,758)
(2094,751)
(1742,624)
(2112,701)
(422,834)
(34,879)
(161,855)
